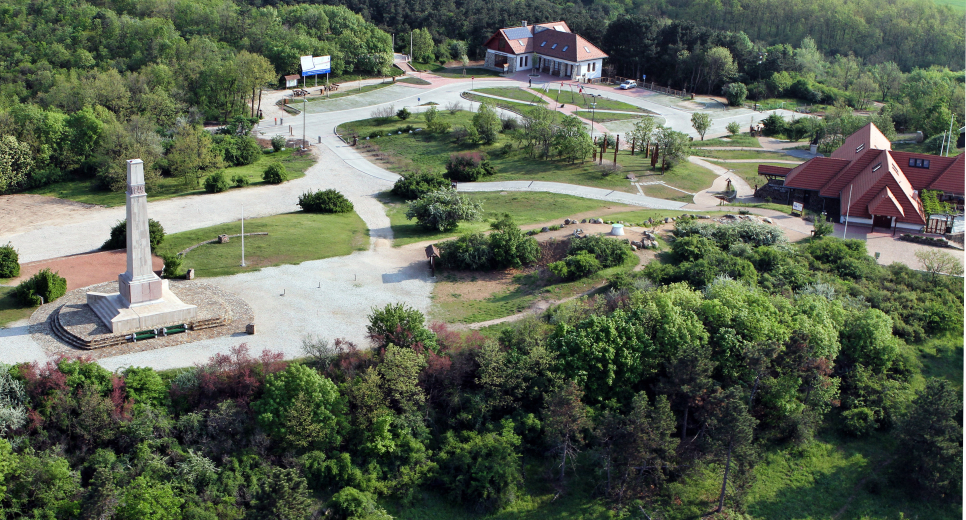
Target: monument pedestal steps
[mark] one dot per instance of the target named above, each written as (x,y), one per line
(122,317)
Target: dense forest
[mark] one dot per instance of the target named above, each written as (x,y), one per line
(84,85)
(732,344)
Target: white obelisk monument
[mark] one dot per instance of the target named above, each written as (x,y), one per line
(144,301)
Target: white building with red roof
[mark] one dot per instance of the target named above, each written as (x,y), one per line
(867,182)
(548,47)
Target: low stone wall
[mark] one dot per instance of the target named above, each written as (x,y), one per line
(929,241)
(213,240)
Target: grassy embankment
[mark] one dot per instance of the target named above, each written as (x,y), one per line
(10,308)
(292,238)
(86,190)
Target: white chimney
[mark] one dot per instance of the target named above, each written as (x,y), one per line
(524,23)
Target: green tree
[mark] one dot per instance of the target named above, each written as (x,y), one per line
(84,134)
(733,128)
(145,386)
(933,261)
(148,499)
(118,238)
(481,468)
(400,370)
(443,210)
(283,494)
(423,46)
(400,325)
(571,140)
(565,420)
(16,160)
(732,432)
(701,123)
(487,123)
(643,131)
(735,93)
(298,407)
(719,66)
(867,339)
(674,147)
(930,453)
(275,173)
(192,155)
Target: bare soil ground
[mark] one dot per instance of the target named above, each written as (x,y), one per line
(20,213)
(84,270)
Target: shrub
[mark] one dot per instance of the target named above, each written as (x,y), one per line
(509,123)
(823,227)
(403,113)
(46,284)
(437,126)
(328,201)
(575,266)
(481,468)
(240,181)
(469,252)
(275,173)
(9,262)
(773,125)
(351,504)
(453,107)
(216,182)
(608,252)
(733,128)
(383,114)
(509,245)
(376,133)
(400,325)
(736,93)
(468,167)
(413,186)
(172,265)
(118,239)
(443,210)
(278,143)
(238,150)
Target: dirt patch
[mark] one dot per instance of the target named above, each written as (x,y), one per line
(84,270)
(21,213)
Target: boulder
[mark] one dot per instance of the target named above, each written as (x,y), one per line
(703,216)
(544,229)
(768,220)
(583,221)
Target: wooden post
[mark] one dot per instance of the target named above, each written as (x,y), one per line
(595,154)
(633,143)
(617,146)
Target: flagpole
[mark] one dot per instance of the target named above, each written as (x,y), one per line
(848,210)
(243,236)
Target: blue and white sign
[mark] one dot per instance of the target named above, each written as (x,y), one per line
(315,65)
(643,77)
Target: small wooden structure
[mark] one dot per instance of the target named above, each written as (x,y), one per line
(432,253)
(292,80)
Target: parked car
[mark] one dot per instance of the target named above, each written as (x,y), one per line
(628,84)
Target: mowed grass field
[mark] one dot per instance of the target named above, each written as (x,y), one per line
(423,152)
(292,238)
(512,93)
(10,308)
(524,207)
(87,191)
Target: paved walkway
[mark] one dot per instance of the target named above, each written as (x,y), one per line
(750,160)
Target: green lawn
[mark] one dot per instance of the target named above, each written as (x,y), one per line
(664,192)
(567,97)
(956,4)
(743,140)
(424,152)
(525,289)
(920,148)
(413,80)
(10,308)
(686,175)
(762,156)
(514,106)
(525,207)
(86,191)
(512,93)
(455,72)
(605,117)
(342,92)
(292,238)
(943,357)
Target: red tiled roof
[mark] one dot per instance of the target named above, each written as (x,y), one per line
(885,204)
(545,36)
(814,173)
(292,76)
(767,169)
(847,175)
(952,179)
(921,178)
(869,183)
(866,138)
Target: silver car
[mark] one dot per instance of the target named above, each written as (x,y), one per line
(628,84)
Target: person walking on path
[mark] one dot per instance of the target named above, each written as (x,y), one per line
(530,82)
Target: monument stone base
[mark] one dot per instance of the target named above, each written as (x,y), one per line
(123,317)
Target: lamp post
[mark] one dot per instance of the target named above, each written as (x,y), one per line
(593,113)
(243,236)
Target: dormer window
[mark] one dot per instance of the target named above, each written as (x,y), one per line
(919,163)
(876,167)
(860,148)
(554,46)
(565,48)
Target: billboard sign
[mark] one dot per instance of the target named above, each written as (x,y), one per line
(315,65)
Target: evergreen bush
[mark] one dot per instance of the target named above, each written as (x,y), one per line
(46,284)
(9,262)
(328,201)
(275,173)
